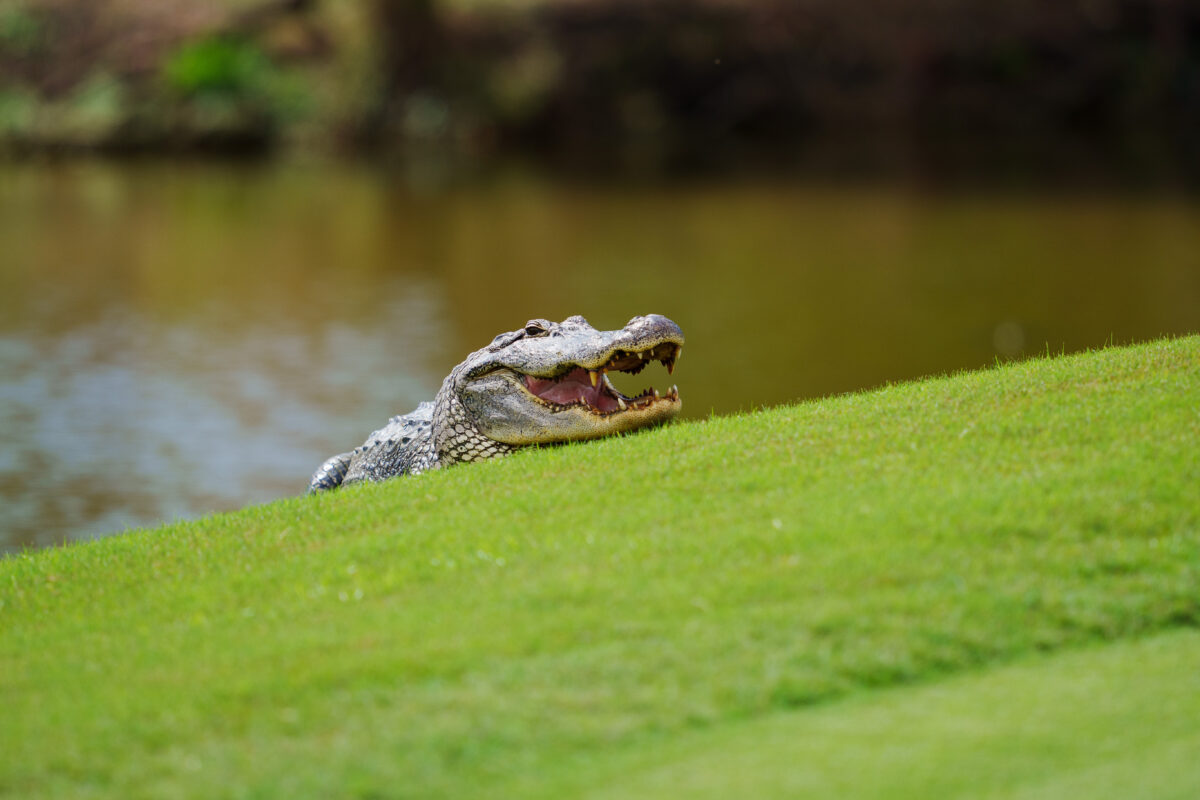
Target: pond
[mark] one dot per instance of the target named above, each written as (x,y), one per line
(181,338)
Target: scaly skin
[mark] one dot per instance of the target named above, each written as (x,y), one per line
(542,384)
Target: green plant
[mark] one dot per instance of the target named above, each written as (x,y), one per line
(232,79)
(21,33)
(17,111)
(217,65)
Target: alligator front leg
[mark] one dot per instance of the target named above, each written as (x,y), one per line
(330,474)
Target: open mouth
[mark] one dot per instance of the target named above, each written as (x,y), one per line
(591,388)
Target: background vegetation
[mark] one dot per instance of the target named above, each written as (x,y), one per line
(675,76)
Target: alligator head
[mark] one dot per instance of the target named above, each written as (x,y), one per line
(548,382)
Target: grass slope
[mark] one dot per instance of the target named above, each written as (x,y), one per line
(518,628)
(1114,722)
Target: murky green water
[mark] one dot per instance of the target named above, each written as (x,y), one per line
(178,339)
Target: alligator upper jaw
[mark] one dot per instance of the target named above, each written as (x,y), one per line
(580,386)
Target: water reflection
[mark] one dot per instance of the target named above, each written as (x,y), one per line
(125,420)
(176,339)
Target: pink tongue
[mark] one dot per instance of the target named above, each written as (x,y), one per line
(575,387)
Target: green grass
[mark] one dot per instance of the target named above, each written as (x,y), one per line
(593,617)
(1113,722)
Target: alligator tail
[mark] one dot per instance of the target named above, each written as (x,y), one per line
(330,474)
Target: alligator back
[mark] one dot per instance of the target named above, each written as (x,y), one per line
(403,446)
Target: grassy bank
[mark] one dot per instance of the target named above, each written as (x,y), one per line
(549,623)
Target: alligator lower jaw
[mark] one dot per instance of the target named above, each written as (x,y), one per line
(591,389)
(575,389)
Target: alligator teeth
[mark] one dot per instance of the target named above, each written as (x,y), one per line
(656,396)
(621,404)
(670,364)
(592,374)
(674,392)
(678,351)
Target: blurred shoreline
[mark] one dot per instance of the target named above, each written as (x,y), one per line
(653,84)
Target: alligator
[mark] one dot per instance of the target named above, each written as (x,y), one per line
(545,383)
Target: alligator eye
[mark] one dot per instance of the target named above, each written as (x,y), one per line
(535,327)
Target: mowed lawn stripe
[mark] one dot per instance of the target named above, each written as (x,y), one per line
(1114,721)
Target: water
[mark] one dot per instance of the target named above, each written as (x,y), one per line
(177,339)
